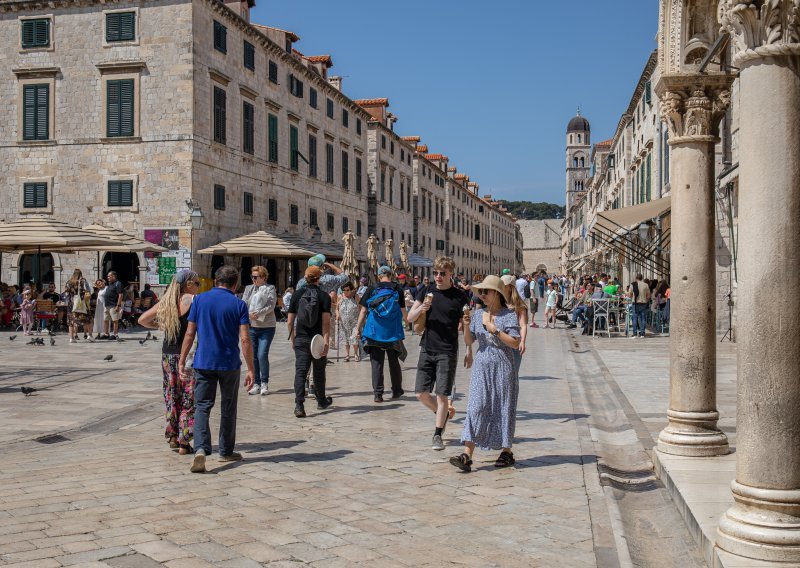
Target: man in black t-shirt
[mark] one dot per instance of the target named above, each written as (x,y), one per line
(436,370)
(379,350)
(301,334)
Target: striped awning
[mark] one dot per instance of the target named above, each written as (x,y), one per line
(260,243)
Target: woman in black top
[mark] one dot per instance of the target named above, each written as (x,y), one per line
(171,315)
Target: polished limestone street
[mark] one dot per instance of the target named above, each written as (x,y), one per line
(87,478)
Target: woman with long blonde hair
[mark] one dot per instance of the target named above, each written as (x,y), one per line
(516,303)
(78,294)
(171,316)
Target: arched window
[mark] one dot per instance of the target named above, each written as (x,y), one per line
(570,138)
(579,138)
(574,162)
(581,162)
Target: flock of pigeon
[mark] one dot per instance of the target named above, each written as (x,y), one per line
(27,391)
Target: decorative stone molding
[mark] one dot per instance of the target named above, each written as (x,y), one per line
(761,28)
(692,106)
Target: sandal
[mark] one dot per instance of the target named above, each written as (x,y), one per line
(462,462)
(506,459)
(173,443)
(347,359)
(185,449)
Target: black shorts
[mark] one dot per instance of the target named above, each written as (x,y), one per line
(436,373)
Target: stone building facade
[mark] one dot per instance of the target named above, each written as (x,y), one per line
(542,245)
(132,113)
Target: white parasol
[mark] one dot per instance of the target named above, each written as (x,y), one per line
(349,264)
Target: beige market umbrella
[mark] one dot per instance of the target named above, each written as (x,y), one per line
(372,255)
(126,242)
(349,263)
(388,255)
(258,243)
(404,257)
(47,234)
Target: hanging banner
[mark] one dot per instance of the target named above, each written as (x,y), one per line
(161,267)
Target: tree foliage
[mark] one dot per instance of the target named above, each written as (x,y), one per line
(534,211)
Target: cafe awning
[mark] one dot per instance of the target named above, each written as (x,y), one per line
(627,217)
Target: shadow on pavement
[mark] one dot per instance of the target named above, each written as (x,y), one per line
(539,378)
(268,446)
(298,457)
(525,415)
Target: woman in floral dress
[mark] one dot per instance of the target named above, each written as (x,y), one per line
(78,293)
(171,315)
(494,387)
(348,318)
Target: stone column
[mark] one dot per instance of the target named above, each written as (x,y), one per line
(764,522)
(692,106)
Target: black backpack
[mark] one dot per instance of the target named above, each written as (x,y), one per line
(527,291)
(308,308)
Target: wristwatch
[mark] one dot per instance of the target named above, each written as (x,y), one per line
(496,331)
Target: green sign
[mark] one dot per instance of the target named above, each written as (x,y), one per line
(166,269)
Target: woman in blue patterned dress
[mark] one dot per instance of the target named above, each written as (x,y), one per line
(494,387)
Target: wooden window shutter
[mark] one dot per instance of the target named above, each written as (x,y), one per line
(220,123)
(35,114)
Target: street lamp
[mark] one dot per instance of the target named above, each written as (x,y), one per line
(644,231)
(196,218)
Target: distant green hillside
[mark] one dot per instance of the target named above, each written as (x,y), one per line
(534,211)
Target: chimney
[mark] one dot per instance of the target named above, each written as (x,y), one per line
(336,83)
(390,120)
(241,7)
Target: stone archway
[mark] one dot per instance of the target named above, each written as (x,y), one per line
(541,268)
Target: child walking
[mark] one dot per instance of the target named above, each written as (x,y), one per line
(550,307)
(26,312)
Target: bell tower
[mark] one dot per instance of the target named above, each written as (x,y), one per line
(578,153)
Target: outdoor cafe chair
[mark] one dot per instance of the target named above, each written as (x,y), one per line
(601,314)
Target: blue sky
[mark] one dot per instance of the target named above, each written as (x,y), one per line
(490,84)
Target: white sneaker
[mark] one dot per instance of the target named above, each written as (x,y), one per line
(264,389)
(199,462)
(72,340)
(255,390)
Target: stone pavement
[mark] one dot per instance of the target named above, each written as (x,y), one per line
(700,487)
(354,485)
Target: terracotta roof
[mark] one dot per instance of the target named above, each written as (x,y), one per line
(451,169)
(372,102)
(605,143)
(295,52)
(460,176)
(326,59)
(438,157)
(422,149)
(410,138)
(292,36)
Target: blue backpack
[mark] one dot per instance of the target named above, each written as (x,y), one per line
(384,318)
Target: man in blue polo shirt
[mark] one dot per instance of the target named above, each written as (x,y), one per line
(219,320)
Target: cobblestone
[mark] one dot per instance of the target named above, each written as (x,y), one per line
(355,485)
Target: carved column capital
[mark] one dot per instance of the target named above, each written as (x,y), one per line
(693,105)
(761,28)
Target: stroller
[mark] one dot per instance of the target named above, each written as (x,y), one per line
(564,311)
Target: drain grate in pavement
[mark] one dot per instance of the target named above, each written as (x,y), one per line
(52,439)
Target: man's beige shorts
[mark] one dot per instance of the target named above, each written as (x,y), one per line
(112,314)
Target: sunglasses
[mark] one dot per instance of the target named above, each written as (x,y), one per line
(254,276)
(437,273)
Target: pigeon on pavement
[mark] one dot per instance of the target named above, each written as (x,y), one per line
(141,341)
(146,337)
(108,358)
(27,390)
(12,337)
(52,342)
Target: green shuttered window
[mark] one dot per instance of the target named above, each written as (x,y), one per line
(35,33)
(219,197)
(248,128)
(36,112)
(220,37)
(272,127)
(312,155)
(119,111)
(220,120)
(34,195)
(249,56)
(120,193)
(293,160)
(120,26)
